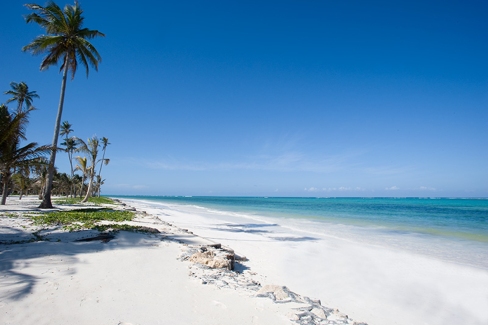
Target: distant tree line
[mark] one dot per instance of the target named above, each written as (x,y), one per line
(24,166)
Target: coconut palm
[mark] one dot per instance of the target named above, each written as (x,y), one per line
(70,145)
(12,155)
(66,129)
(40,170)
(77,179)
(22,181)
(21,94)
(91,148)
(12,126)
(105,143)
(61,184)
(66,41)
(85,170)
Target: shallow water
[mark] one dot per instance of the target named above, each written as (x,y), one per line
(455,230)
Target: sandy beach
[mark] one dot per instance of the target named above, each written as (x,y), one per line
(370,282)
(48,277)
(280,276)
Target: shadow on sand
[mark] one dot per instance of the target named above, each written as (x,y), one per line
(15,259)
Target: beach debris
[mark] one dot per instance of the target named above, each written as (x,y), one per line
(212,256)
(318,314)
(309,312)
(276,293)
(209,259)
(221,277)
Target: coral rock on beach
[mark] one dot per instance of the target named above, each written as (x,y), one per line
(277,293)
(209,259)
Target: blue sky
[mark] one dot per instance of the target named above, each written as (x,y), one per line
(282,98)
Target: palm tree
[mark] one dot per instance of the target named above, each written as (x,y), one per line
(91,148)
(61,184)
(66,129)
(12,155)
(67,41)
(11,126)
(85,170)
(22,181)
(70,145)
(21,94)
(105,143)
(40,170)
(76,180)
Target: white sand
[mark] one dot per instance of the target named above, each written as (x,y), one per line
(371,283)
(134,279)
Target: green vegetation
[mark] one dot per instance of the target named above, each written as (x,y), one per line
(123,227)
(91,149)
(17,158)
(77,200)
(82,218)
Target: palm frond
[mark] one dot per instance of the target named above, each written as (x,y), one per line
(66,40)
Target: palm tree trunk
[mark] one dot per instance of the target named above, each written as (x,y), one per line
(100,171)
(88,191)
(82,183)
(72,188)
(5,181)
(46,202)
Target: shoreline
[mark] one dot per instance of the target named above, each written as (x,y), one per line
(135,278)
(372,283)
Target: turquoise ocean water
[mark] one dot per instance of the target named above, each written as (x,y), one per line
(455,229)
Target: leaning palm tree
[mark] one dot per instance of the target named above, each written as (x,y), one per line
(66,41)
(21,94)
(105,143)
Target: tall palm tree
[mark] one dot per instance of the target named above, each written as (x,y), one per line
(21,94)
(105,143)
(66,41)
